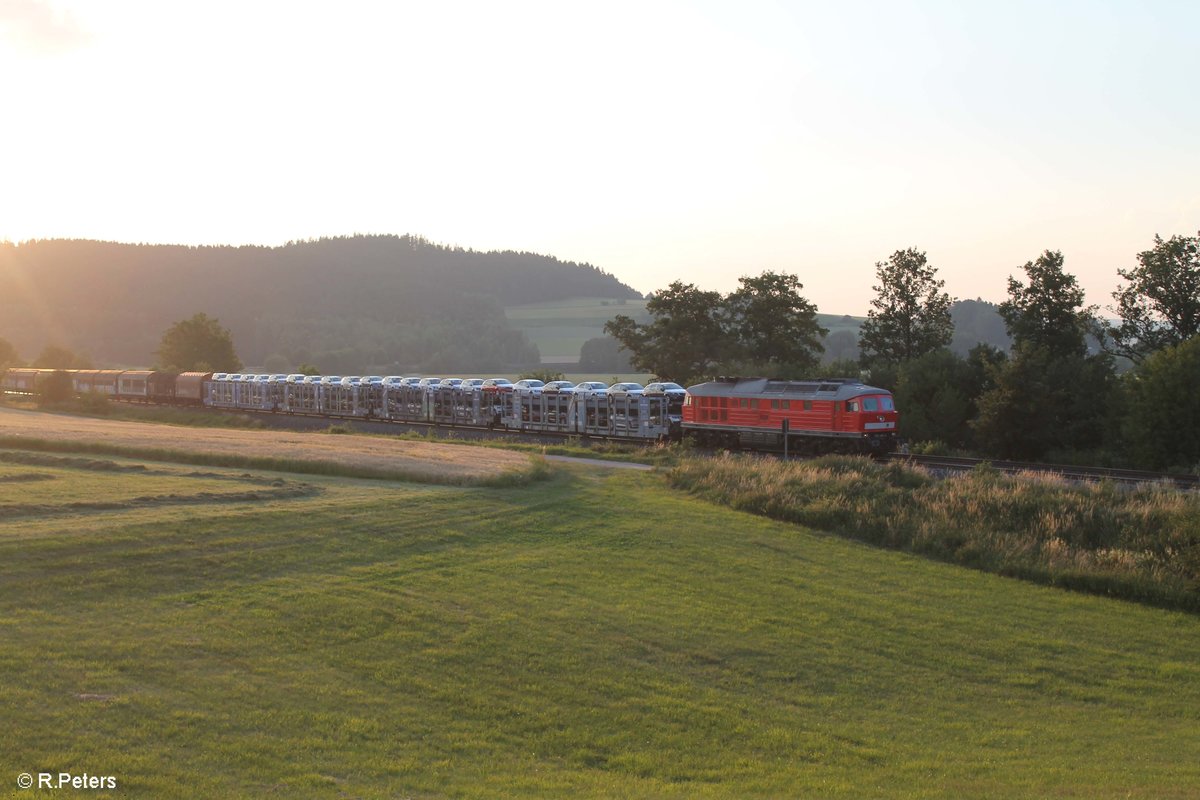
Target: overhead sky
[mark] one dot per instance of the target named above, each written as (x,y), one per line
(657,139)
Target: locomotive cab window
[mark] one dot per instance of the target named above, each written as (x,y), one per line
(886,403)
(852,405)
(870,404)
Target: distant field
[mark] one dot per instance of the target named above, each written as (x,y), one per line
(560,328)
(840,322)
(215,633)
(379,456)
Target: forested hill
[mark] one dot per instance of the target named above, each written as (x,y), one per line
(345,304)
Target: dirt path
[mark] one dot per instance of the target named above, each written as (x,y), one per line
(433,458)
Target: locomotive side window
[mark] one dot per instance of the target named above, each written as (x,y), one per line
(852,405)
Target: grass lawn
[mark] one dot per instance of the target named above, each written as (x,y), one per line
(596,634)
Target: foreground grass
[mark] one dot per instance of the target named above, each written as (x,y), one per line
(593,635)
(1137,543)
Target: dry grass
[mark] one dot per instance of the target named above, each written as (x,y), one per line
(439,462)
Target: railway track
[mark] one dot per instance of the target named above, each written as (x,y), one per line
(956,464)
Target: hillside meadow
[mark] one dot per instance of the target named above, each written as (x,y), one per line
(197,631)
(560,327)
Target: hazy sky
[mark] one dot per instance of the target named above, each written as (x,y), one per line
(657,140)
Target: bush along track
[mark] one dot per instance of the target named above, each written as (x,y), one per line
(1139,544)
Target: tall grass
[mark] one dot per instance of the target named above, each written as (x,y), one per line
(1135,543)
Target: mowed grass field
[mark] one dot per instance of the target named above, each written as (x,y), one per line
(211,633)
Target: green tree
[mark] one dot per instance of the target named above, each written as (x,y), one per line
(307,369)
(774,328)
(910,315)
(1050,397)
(684,340)
(842,368)
(603,354)
(936,394)
(1162,425)
(1043,403)
(55,388)
(54,356)
(8,354)
(1160,306)
(1048,312)
(198,344)
(985,361)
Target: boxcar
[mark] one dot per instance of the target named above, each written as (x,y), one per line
(105,381)
(134,384)
(25,379)
(190,387)
(160,387)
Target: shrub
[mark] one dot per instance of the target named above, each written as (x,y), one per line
(55,388)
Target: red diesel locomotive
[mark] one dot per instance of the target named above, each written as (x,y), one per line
(821,416)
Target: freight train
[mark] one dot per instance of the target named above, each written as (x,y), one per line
(817,416)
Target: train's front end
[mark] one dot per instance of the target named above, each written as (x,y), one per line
(871,413)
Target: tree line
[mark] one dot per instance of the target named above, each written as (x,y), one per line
(1071,386)
(363,303)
